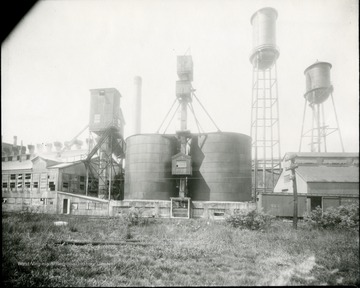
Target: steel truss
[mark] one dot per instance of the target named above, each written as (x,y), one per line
(319,130)
(104,162)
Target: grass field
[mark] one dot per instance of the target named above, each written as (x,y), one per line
(172,253)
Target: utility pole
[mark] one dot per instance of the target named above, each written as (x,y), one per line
(291,157)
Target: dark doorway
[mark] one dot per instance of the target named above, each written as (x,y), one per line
(315,201)
(65,206)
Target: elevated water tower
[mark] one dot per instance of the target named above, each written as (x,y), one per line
(265,129)
(318,90)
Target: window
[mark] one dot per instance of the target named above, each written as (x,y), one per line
(27,157)
(96,118)
(20,176)
(65,185)
(36,184)
(12,185)
(181,164)
(3,159)
(12,176)
(27,184)
(82,186)
(82,178)
(19,185)
(18,158)
(4,185)
(9,158)
(28,176)
(52,186)
(4,200)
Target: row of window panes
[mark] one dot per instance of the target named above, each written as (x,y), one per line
(19,185)
(88,205)
(74,177)
(20,176)
(28,185)
(45,201)
(10,158)
(65,185)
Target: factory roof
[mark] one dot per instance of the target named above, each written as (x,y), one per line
(64,165)
(16,165)
(323,154)
(328,174)
(64,156)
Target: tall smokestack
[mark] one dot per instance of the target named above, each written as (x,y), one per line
(137,105)
(15,141)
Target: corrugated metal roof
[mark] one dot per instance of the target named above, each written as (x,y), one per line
(64,165)
(328,174)
(324,154)
(16,165)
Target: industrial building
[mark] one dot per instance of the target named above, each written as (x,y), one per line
(35,180)
(322,179)
(183,174)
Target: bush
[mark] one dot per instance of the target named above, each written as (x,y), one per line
(134,217)
(253,220)
(342,217)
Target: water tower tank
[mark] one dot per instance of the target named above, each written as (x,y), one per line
(148,167)
(318,85)
(221,167)
(265,52)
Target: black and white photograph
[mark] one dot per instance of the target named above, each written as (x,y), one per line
(151,143)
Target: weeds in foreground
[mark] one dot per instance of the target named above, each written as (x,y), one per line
(183,253)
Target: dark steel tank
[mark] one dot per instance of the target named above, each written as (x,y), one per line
(148,167)
(221,167)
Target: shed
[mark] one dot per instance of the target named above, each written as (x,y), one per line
(322,179)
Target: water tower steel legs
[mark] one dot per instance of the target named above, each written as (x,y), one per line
(265,128)
(337,123)
(319,130)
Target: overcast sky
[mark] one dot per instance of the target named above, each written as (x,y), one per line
(62,49)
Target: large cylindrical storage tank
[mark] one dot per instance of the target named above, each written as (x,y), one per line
(264,52)
(148,167)
(221,167)
(318,85)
